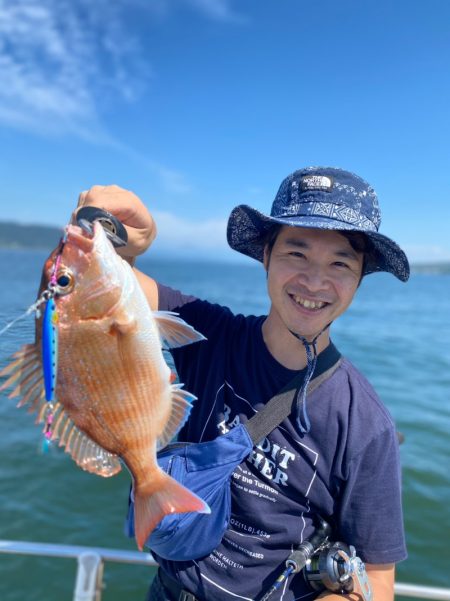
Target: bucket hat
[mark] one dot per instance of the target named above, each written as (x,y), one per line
(323,198)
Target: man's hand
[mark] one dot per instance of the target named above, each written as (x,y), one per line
(381,578)
(130,210)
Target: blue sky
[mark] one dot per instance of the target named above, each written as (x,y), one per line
(200,105)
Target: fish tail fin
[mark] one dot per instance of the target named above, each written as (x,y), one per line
(170,497)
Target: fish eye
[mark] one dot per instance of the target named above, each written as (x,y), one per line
(65,282)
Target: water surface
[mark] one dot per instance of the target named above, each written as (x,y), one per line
(397,334)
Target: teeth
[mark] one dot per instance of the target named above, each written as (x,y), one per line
(308,304)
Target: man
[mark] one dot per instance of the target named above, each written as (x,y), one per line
(337,456)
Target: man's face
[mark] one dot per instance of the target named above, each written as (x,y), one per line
(312,278)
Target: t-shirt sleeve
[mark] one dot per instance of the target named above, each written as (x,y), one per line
(370,510)
(170,299)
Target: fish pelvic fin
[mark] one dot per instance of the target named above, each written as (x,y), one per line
(170,497)
(175,331)
(181,408)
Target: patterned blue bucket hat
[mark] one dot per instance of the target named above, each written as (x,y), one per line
(322,198)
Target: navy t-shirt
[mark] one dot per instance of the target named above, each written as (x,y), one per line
(346,469)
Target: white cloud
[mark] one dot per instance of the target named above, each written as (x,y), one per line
(190,237)
(207,240)
(422,253)
(219,10)
(62,61)
(59,58)
(172,180)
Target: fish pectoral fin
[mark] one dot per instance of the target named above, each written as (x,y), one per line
(86,453)
(181,408)
(174,330)
(124,324)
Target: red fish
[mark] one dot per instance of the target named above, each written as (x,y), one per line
(115,400)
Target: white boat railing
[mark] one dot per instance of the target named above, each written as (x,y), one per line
(89,577)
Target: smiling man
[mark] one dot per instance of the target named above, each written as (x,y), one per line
(336,455)
(312,277)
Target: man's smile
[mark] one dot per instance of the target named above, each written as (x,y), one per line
(314,305)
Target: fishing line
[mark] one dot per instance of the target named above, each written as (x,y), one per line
(46,294)
(14,321)
(35,307)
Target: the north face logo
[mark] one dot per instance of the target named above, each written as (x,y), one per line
(316,182)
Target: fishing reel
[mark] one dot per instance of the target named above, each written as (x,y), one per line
(336,567)
(114,228)
(325,565)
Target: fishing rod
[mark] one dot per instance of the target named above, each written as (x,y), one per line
(298,559)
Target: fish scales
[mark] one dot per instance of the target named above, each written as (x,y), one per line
(86,395)
(114,398)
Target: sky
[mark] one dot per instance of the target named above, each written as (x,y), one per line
(200,105)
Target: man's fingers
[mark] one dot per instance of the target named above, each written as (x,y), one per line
(128,209)
(82,199)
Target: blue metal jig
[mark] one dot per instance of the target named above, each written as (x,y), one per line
(50,349)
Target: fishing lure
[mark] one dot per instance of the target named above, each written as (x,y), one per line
(49,363)
(49,344)
(50,349)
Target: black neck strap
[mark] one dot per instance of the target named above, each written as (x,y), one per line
(281,405)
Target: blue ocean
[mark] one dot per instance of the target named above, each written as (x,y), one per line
(396,334)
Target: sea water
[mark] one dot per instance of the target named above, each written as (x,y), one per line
(396,334)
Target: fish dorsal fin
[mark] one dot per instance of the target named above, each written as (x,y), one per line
(181,407)
(23,371)
(175,331)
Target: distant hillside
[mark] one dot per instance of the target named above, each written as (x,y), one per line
(16,235)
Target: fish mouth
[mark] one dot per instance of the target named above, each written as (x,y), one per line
(83,237)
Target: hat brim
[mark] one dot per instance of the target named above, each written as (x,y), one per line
(247,230)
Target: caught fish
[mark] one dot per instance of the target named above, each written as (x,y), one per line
(111,393)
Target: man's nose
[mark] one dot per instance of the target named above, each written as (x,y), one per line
(314,277)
